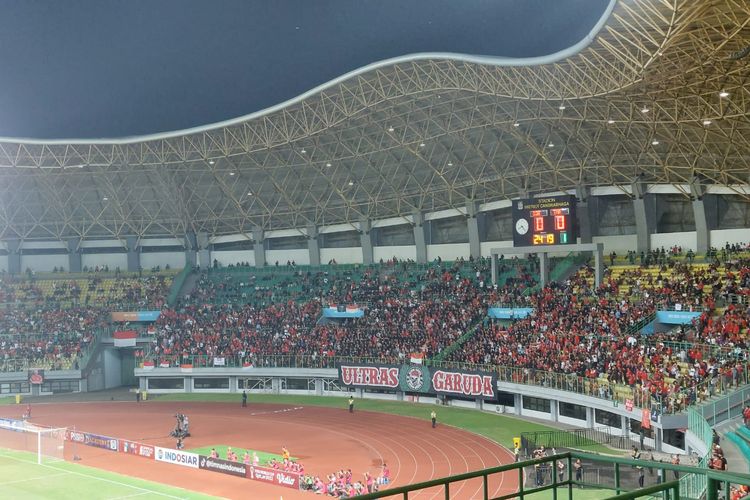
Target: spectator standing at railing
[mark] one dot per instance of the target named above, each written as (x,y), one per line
(561,470)
(578,466)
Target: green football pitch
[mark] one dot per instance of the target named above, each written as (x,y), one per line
(221,449)
(22,478)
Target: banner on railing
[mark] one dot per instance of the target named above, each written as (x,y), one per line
(421,379)
(646,418)
(125,338)
(676,317)
(343,312)
(139,316)
(508,312)
(219,361)
(36,376)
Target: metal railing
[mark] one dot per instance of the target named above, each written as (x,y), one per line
(725,408)
(695,484)
(600,388)
(621,481)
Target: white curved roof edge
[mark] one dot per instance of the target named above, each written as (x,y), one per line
(485,60)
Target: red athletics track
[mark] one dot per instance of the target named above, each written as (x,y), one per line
(324,439)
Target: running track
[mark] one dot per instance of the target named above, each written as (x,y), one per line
(325,440)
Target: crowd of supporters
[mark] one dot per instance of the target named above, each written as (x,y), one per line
(48,336)
(406,312)
(593,332)
(48,323)
(575,328)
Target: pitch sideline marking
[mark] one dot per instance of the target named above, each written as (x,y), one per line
(130,496)
(32,479)
(144,490)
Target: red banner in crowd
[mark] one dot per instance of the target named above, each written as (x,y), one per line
(646,418)
(274,476)
(36,376)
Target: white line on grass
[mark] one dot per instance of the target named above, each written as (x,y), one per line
(130,496)
(145,490)
(32,479)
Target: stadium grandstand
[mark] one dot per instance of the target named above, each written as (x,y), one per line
(574,228)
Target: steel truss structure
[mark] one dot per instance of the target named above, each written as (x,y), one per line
(660,92)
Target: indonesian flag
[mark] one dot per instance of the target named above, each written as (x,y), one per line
(417,358)
(186,367)
(125,338)
(164,364)
(247,365)
(352,308)
(148,365)
(151,330)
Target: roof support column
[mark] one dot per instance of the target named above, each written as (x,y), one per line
(191,250)
(702,233)
(204,250)
(134,253)
(313,245)
(259,247)
(365,225)
(420,236)
(644,216)
(14,255)
(472,222)
(74,254)
(585,228)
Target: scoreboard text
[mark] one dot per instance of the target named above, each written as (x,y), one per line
(544,221)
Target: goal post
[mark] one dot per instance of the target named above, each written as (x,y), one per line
(40,444)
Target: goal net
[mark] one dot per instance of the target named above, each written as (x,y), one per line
(33,442)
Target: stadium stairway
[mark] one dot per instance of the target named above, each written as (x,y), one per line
(735,441)
(187,285)
(569,266)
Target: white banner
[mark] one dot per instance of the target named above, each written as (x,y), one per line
(125,342)
(219,362)
(176,457)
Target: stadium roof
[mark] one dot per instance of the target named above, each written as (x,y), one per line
(657,91)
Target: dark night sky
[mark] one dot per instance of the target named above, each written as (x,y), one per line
(101,68)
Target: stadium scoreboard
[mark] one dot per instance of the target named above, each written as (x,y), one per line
(550,220)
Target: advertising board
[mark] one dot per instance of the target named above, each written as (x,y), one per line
(222,466)
(137,449)
(273,476)
(97,441)
(176,457)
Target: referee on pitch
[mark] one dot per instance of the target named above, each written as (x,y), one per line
(351,404)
